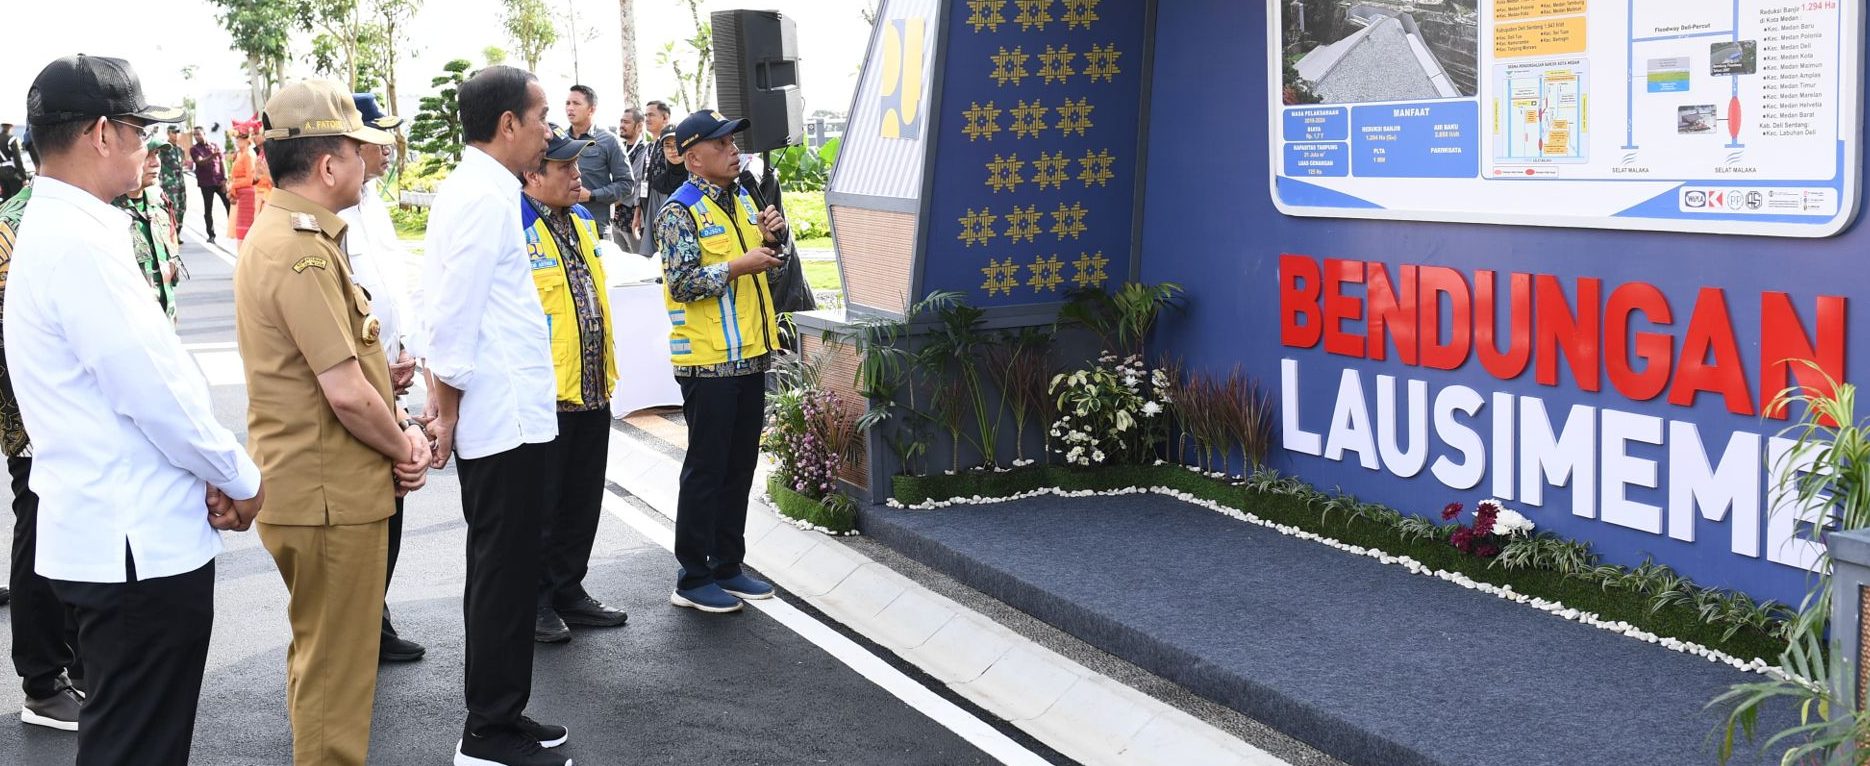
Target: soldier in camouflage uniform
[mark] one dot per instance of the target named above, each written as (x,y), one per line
(174,165)
(157,249)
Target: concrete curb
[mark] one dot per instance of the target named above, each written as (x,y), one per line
(1076,711)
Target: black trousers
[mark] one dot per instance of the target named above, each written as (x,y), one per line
(45,635)
(577,501)
(501,496)
(146,645)
(208,193)
(724,419)
(396,547)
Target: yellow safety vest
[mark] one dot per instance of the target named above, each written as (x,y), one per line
(561,312)
(741,323)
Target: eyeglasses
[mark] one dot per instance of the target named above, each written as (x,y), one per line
(147,131)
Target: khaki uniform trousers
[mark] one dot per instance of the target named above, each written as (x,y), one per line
(335,576)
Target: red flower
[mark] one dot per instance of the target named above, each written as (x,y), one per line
(1487,551)
(1463,540)
(1450,511)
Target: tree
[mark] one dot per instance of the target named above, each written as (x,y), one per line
(393,18)
(494,54)
(694,83)
(529,25)
(571,26)
(340,36)
(262,32)
(436,131)
(626,20)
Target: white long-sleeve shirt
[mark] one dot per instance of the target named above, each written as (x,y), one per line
(124,438)
(486,332)
(377,262)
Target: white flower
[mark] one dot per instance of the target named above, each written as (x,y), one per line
(1510,523)
(1152,409)
(1097,456)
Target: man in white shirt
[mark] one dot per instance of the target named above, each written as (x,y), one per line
(133,472)
(489,350)
(377,258)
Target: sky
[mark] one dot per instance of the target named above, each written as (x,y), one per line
(832,38)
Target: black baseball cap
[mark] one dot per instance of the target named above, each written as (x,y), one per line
(82,87)
(562,147)
(705,125)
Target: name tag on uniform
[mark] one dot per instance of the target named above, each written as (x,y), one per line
(543,262)
(714,230)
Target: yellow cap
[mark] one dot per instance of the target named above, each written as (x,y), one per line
(318,108)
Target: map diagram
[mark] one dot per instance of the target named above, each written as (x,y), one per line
(1544,113)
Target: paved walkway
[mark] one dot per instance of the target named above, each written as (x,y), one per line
(674,686)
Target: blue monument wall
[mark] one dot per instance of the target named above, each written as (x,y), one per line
(1630,389)
(1035,167)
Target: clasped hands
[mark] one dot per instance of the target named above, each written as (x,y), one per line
(226,513)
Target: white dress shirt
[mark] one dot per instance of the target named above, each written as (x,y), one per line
(377,263)
(124,438)
(486,332)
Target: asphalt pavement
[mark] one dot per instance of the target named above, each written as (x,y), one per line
(672,686)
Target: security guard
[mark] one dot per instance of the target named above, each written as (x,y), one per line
(561,243)
(321,422)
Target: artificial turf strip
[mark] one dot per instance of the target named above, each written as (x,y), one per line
(1611,603)
(797,506)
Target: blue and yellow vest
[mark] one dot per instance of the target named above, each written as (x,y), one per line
(741,323)
(561,312)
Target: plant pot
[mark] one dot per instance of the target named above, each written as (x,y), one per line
(796,506)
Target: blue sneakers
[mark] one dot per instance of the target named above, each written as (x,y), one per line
(707,598)
(746,587)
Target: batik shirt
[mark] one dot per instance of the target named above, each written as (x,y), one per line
(584,303)
(680,244)
(12,427)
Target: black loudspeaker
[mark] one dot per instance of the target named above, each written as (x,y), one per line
(756,74)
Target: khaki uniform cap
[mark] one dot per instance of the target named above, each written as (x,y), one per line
(312,108)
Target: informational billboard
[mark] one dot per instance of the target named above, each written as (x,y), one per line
(1680,115)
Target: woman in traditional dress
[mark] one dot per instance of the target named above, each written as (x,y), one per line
(243,177)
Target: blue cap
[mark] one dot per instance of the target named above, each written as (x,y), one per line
(562,147)
(373,114)
(705,125)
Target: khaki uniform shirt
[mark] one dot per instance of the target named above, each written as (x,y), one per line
(299,313)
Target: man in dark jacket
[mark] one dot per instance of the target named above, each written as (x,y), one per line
(603,167)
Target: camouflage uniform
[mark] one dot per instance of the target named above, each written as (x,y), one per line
(154,240)
(171,181)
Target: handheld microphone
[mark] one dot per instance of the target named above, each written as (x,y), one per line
(752,185)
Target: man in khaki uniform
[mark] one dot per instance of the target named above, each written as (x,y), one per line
(321,421)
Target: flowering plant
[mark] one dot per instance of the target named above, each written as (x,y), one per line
(808,433)
(1494,524)
(1110,413)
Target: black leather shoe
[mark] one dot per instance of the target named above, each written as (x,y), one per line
(399,649)
(590,612)
(549,629)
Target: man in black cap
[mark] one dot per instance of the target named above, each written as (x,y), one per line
(134,474)
(561,242)
(717,243)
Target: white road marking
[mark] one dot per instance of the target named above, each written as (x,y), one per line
(1001,747)
(221,368)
